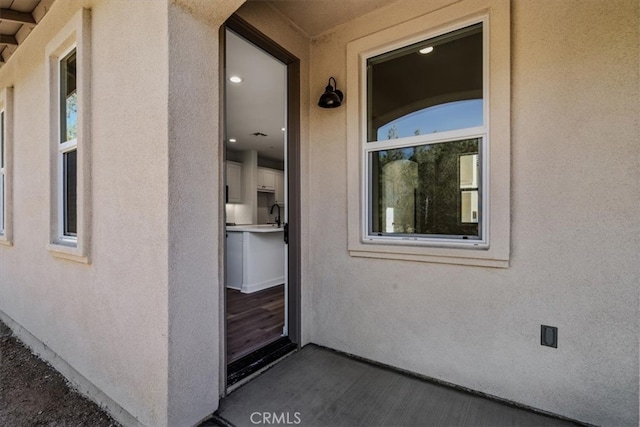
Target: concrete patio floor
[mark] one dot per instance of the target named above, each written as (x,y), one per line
(319,387)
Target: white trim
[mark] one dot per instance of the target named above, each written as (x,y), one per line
(70,145)
(495,177)
(68,251)
(248,288)
(64,148)
(6,170)
(74,36)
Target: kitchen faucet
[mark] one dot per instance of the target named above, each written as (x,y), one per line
(275,205)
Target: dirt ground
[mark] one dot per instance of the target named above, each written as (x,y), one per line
(32,393)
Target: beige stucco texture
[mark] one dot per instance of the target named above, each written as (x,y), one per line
(141,323)
(195,175)
(108,319)
(137,328)
(574,231)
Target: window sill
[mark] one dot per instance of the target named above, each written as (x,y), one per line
(67,252)
(470,257)
(5,242)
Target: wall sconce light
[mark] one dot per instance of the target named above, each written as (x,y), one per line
(331,98)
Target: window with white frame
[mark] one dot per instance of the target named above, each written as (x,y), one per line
(426,137)
(3,202)
(68,147)
(6,138)
(68,56)
(428,149)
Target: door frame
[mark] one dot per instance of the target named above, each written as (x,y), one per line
(253,35)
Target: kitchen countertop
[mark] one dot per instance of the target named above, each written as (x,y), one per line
(255,228)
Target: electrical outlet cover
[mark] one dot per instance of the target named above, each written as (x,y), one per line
(549,336)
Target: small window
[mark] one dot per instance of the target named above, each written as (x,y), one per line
(425,148)
(68,146)
(6,143)
(3,202)
(69,70)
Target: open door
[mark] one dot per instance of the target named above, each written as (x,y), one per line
(262,257)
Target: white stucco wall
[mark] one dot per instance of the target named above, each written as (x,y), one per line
(574,231)
(108,320)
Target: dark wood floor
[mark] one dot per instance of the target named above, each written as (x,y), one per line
(253,320)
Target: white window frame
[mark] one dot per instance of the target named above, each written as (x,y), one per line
(492,249)
(6,190)
(479,132)
(74,36)
(64,148)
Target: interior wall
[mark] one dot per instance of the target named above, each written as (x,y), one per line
(108,319)
(573,262)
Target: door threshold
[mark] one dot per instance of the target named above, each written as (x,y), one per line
(259,359)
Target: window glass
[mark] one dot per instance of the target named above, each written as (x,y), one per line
(69,192)
(69,135)
(439,118)
(426,186)
(429,190)
(69,98)
(427,87)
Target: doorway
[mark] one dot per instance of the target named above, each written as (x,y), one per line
(262,257)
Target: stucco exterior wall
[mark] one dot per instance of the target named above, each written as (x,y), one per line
(196,228)
(574,235)
(141,322)
(108,320)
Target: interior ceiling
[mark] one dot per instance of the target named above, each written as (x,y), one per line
(258,103)
(17,19)
(317,16)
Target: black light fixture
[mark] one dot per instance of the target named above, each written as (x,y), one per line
(331,98)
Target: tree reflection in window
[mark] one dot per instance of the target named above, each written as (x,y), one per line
(417,190)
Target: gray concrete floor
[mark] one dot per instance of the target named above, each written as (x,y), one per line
(318,387)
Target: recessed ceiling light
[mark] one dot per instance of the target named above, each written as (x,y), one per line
(283,129)
(235,79)
(232,140)
(426,50)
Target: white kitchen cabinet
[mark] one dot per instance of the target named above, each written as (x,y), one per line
(234,182)
(255,257)
(266,179)
(279,188)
